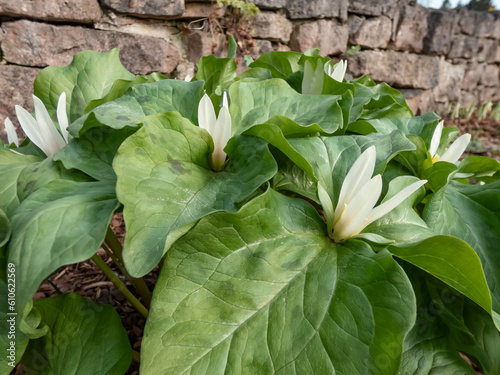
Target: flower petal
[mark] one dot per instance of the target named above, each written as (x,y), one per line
(206,114)
(359,174)
(11,132)
(356,211)
(188,78)
(339,71)
(308,77)
(436,139)
(62,117)
(52,139)
(456,149)
(326,203)
(30,128)
(221,136)
(392,203)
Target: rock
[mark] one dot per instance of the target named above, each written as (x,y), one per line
(373,7)
(151,8)
(39,44)
(411,29)
(490,76)
(330,36)
(270,4)
(450,81)
(484,24)
(203,44)
(466,21)
(463,46)
(472,76)
(441,25)
(354,23)
(419,101)
(485,94)
(398,69)
(202,10)
(488,50)
(373,33)
(184,69)
(467,99)
(17,87)
(302,9)
(272,26)
(496,26)
(259,47)
(84,11)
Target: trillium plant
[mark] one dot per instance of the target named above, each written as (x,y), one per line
(298,222)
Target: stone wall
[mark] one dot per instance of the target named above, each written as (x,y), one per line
(433,56)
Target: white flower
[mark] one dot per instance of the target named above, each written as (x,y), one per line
(453,153)
(41,130)
(358,196)
(338,72)
(219,129)
(312,82)
(188,78)
(11,132)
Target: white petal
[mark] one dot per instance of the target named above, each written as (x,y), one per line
(359,174)
(436,139)
(319,77)
(48,132)
(456,149)
(326,203)
(62,117)
(356,211)
(11,132)
(392,203)
(30,128)
(224,100)
(307,80)
(221,136)
(339,71)
(206,114)
(328,68)
(188,78)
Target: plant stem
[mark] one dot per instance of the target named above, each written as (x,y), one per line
(136,357)
(119,284)
(116,249)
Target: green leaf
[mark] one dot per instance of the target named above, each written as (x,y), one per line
(482,167)
(90,76)
(471,213)
(93,152)
(232,47)
(440,174)
(5,228)
(165,182)
(141,101)
(215,72)
(85,337)
(61,223)
(281,64)
(279,300)
(412,125)
(452,261)
(11,166)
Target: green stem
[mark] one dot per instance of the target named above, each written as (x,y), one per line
(119,284)
(116,249)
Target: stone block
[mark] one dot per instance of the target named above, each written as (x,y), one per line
(303,9)
(419,101)
(270,4)
(484,24)
(373,7)
(330,36)
(485,94)
(463,46)
(201,44)
(202,10)
(488,50)
(354,23)
(450,82)
(149,8)
(373,33)
(466,21)
(39,44)
(411,28)
(272,26)
(490,76)
(496,26)
(403,70)
(84,11)
(467,99)
(17,86)
(441,25)
(472,76)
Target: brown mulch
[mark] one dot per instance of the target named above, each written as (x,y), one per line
(87,279)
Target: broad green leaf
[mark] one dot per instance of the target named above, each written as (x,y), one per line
(448,323)
(279,300)
(255,102)
(90,76)
(85,337)
(417,160)
(232,47)
(215,72)
(482,167)
(120,86)
(412,125)
(471,213)
(93,152)
(61,223)
(281,64)
(452,261)
(440,174)
(5,228)
(141,101)
(165,182)
(11,166)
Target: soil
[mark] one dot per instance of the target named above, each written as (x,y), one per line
(87,279)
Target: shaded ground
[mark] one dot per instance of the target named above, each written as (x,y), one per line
(87,279)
